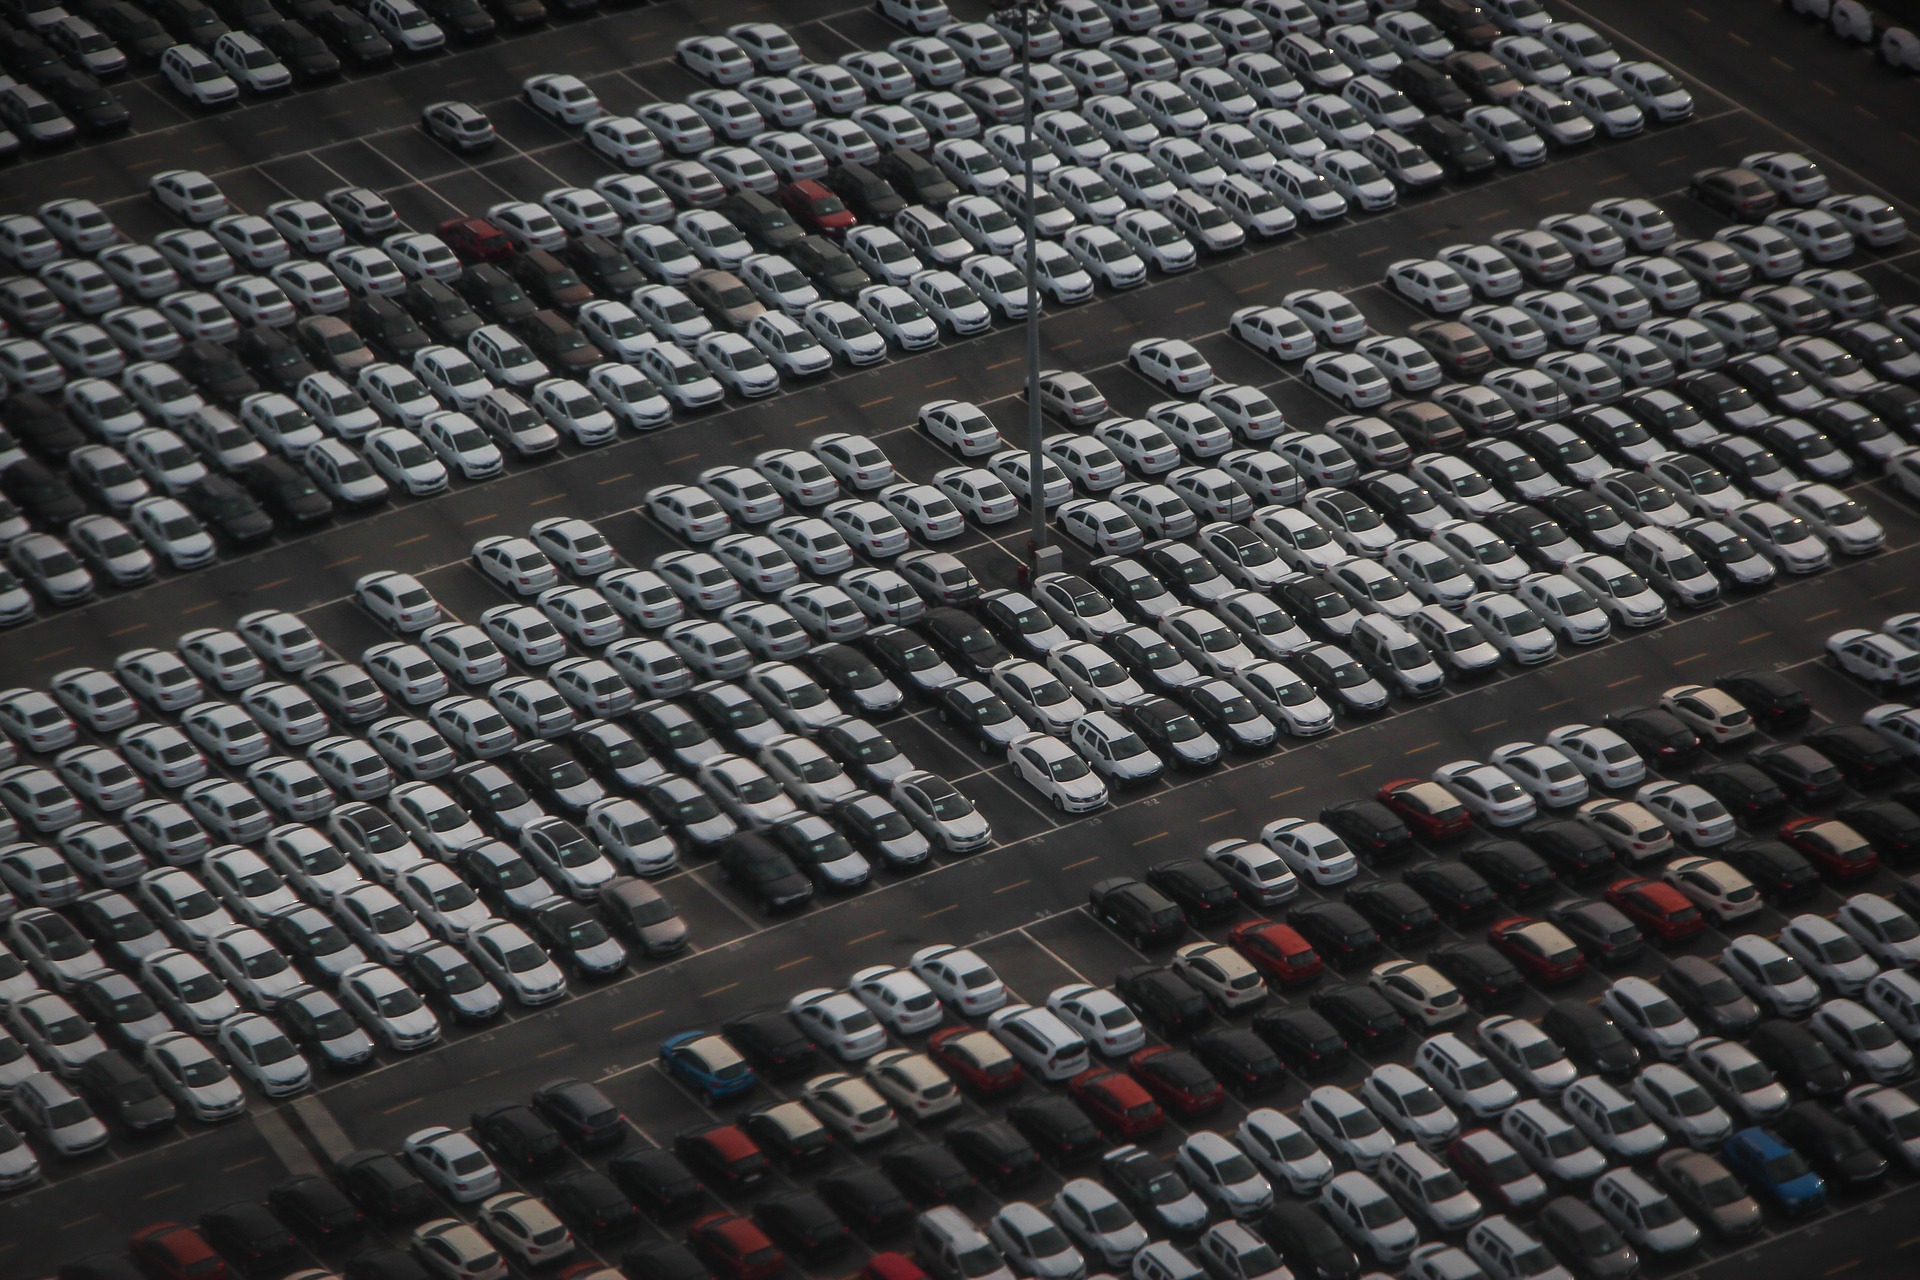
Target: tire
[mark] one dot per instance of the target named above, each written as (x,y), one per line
(1059,805)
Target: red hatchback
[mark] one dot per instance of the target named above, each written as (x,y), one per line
(724,1154)
(817,209)
(735,1247)
(1833,846)
(175,1251)
(1178,1079)
(1277,951)
(1427,807)
(1116,1102)
(475,240)
(982,1062)
(1657,907)
(1543,950)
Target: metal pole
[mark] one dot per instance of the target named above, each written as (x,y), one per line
(1036,490)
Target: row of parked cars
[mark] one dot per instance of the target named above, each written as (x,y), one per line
(1727,1092)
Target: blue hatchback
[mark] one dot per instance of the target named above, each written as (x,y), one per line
(707,1064)
(1774,1171)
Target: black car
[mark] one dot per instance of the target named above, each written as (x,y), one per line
(41,426)
(1780,872)
(1831,1144)
(1137,911)
(867,1200)
(772,1042)
(1130,585)
(870,196)
(143,38)
(1571,849)
(995,1152)
(1449,143)
(494,292)
(572,933)
(1513,870)
(1866,758)
(1395,910)
(1165,1002)
(1802,1062)
(801,1223)
(1891,825)
(518,1139)
(1802,772)
(856,680)
(1362,1015)
(1241,1060)
(88,103)
(124,1094)
(869,755)
(1202,893)
(908,658)
(1601,929)
(1458,893)
(658,1181)
(828,266)
(41,493)
(1658,735)
(353,37)
(305,54)
(114,1003)
(978,712)
(1188,574)
(762,220)
(247,1235)
(557,341)
(1340,934)
(1310,1246)
(1749,794)
(916,178)
(384,1262)
(1488,979)
(388,327)
(1431,89)
(1059,1130)
(318,1211)
(961,639)
(555,777)
(1580,511)
(589,1202)
(927,1174)
(1592,1040)
(726,708)
(441,310)
(1370,829)
(384,1188)
(492,796)
(603,267)
(1146,1184)
(814,846)
(285,491)
(1704,990)
(684,807)
(662,1260)
(1229,715)
(1172,731)
(1585,1241)
(790,1147)
(758,868)
(1323,612)
(581,1113)
(461,19)
(274,356)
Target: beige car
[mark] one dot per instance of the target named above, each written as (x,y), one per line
(1222,974)
(724,296)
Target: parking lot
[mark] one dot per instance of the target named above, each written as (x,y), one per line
(1759,83)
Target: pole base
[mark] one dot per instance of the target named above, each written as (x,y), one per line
(1048,560)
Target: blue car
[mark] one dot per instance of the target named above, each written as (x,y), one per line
(707,1064)
(1774,1171)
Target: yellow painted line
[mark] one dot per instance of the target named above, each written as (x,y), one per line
(1908,1243)
(866,937)
(624,475)
(277,582)
(1615,684)
(1070,342)
(80,181)
(1150,839)
(810,421)
(758,435)
(1815,617)
(634,1022)
(705,995)
(243,1164)
(794,963)
(685,457)
(1497,213)
(557,1049)
(1548,706)
(335,564)
(1368,253)
(462,82)
(1695,657)
(1009,888)
(952,906)
(1191,306)
(1072,866)
(868,404)
(81,1222)
(1125,325)
(51,654)
(1890,591)
(1739,39)
(126,631)
(944,381)
(1224,813)
(1845,1266)
(1618,177)
(1781,63)
(1671,160)
(208,604)
(1309,270)
(541,502)
(279,128)
(402,1106)
(1871,115)
(1279,795)
(407,542)
(1699,16)
(1001,364)
(1831,93)
(1758,635)
(491,515)
(1359,768)
(1491,724)
(1255,287)
(1425,746)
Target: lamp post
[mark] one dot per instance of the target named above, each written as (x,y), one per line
(1042,557)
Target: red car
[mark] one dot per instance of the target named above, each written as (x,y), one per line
(981,1062)
(1116,1102)
(891,1266)
(1488,1164)
(175,1251)
(735,1247)
(1178,1080)
(1657,907)
(724,1154)
(1545,952)
(1833,846)
(1277,951)
(1427,807)
(475,240)
(817,209)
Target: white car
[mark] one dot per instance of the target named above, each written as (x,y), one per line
(1312,850)
(1099,1016)
(839,1022)
(1488,792)
(900,998)
(1693,815)
(1344,1125)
